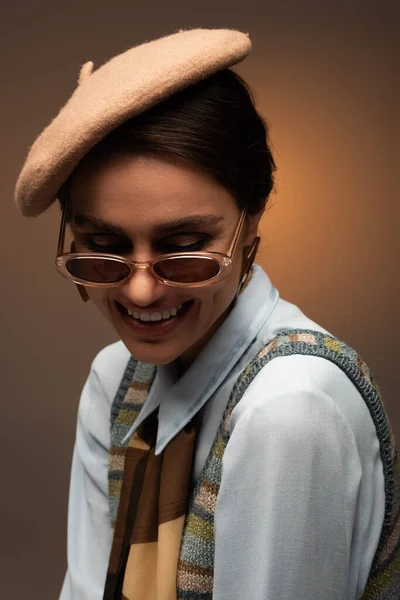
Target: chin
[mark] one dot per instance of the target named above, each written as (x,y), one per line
(152,354)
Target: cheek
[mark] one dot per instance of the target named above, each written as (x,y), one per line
(100,298)
(215,300)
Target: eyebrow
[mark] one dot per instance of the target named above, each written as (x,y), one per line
(193,221)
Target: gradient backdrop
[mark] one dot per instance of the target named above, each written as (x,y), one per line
(325,77)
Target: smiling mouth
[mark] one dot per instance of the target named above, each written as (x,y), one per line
(148,322)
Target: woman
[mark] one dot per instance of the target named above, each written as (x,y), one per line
(227,447)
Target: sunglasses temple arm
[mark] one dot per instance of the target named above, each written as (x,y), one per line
(248,265)
(236,237)
(61,237)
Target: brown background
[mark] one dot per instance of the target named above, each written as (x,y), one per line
(325,75)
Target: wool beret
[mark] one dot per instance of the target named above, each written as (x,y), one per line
(123,87)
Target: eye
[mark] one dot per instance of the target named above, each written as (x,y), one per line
(184,244)
(105,243)
(196,247)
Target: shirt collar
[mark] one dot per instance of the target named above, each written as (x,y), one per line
(180,400)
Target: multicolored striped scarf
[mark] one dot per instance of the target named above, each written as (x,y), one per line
(140,564)
(148,531)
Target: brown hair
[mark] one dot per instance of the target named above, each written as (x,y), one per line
(212,125)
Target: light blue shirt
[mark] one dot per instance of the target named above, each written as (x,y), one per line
(301,503)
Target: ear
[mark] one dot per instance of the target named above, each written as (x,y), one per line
(252,223)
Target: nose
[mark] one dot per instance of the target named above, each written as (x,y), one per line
(143,289)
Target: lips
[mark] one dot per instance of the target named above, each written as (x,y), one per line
(154,328)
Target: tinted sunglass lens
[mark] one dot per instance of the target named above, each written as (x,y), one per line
(98,270)
(187,270)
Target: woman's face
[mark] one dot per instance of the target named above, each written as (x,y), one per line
(125,201)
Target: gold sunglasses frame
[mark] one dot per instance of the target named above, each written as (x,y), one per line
(224,259)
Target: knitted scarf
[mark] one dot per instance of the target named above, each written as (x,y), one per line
(189,574)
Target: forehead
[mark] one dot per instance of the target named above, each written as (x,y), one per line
(126,187)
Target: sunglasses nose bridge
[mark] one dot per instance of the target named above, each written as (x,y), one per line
(141,265)
(136,266)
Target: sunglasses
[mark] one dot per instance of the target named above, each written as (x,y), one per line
(183,269)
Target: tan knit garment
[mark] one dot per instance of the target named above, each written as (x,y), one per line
(125,86)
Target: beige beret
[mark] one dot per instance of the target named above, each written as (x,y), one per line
(125,86)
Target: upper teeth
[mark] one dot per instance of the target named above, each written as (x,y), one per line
(156,316)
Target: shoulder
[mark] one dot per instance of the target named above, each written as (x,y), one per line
(106,372)
(109,366)
(308,394)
